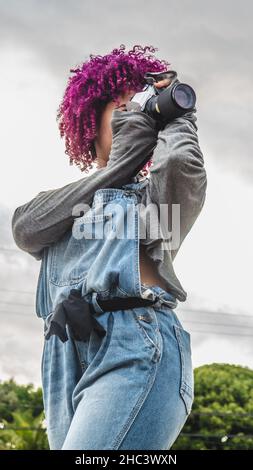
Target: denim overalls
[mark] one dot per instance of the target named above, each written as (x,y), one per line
(133,388)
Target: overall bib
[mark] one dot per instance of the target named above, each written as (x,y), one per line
(133,387)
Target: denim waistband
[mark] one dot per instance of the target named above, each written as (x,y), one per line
(165,297)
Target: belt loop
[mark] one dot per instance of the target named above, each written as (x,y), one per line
(47,322)
(148,293)
(96,307)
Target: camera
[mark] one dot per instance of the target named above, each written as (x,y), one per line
(163,104)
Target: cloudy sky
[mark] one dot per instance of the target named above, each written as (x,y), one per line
(209,44)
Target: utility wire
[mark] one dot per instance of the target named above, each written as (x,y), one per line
(220,333)
(237,325)
(206,332)
(212,312)
(222,437)
(17,291)
(16,303)
(190,321)
(210,413)
(217,436)
(209,312)
(200,311)
(11,428)
(23,314)
(3,248)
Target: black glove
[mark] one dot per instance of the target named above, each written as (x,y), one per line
(77,313)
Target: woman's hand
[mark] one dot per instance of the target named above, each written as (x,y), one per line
(162,83)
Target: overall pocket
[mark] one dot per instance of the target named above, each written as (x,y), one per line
(73,255)
(91,226)
(187,379)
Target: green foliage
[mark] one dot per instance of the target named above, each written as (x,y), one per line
(222,413)
(221,418)
(21,406)
(14,396)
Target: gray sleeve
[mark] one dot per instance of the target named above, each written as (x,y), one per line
(44,220)
(178,175)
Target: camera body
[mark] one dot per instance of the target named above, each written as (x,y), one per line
(163,104)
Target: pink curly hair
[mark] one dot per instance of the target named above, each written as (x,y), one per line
(95,83)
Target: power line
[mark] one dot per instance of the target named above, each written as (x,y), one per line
(218,324)
(221,413)
(17,291)
(200,311)
(221,333)
(16,303)
(210,413)
(206,332)
(28,315)
(217,436)
(222,437)
(23,405)
(3,248)
(249,327)
(185,320)
(212,312)
(11,428)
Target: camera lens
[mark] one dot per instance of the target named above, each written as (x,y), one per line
(184,96)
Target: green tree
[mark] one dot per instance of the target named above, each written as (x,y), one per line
(16,436)
(15,397)
(221,418)
(222,413)
(21,407)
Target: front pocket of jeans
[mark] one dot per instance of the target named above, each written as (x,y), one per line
(97,345)
(187,379)
(147,326)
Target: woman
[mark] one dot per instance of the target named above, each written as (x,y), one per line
(126,382)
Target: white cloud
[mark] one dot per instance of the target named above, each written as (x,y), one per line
(215,259)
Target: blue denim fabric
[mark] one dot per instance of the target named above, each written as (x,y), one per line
(106,266)
(133,388)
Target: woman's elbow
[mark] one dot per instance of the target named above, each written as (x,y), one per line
(21,231)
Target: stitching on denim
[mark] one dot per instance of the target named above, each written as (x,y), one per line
(104,346)
(137,407)
(184,387)
(82,362)
(68,282)
(148,340)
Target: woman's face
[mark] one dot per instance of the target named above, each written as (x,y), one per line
(103,141)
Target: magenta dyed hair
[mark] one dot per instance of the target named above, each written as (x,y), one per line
(94,84)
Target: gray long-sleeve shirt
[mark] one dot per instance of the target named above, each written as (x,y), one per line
(177,176)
